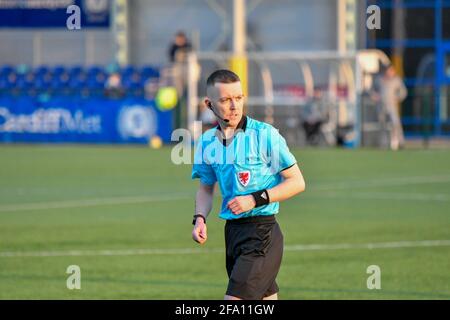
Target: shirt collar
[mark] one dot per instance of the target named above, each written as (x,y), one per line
(241,125)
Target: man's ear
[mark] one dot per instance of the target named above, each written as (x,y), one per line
(208,103)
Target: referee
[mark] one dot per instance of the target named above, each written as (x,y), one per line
(255,170)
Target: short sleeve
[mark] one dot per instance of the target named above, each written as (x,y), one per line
(280,156)
(201,169)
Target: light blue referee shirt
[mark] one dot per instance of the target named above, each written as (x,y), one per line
(251,161)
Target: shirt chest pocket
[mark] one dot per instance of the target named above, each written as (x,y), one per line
(247,174)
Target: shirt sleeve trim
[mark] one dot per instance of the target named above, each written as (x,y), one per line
(288,167)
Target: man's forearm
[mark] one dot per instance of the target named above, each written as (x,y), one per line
(204,201)
(292,184)
(286,189)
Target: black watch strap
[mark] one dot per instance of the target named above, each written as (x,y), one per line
(198,216)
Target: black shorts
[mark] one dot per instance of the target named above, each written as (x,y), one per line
(254,249)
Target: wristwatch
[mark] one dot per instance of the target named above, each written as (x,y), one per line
(197,216)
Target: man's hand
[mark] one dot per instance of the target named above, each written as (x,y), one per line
(241,204)
(199,233)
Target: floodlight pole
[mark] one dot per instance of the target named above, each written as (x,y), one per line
(238,62)
(346,36)
(239,29)
(120,31)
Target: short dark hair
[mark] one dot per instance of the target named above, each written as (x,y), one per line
(222,76)
(180,34)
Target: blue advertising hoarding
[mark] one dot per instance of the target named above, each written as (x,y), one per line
(52,14)
(78,120)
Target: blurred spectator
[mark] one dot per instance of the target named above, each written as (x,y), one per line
(389,92)
(178,52)
(113,86)
(179,48)
(114,81)
(312,118)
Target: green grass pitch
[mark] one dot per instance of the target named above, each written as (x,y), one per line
(123,215)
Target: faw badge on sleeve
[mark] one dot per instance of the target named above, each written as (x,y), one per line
(244,177)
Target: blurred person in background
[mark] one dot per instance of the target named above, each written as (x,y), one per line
(312,119)
(178,51)
(179,47)
(113,86)
(390,91)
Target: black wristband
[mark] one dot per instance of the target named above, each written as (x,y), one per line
(261,198)
(197,216)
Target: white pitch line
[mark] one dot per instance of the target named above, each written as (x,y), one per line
(120,252)
(397,181)
(92,202)
(299,247)
(375,245)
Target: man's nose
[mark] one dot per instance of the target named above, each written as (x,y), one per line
(232,104)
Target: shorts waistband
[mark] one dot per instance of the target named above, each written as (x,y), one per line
(255,219)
